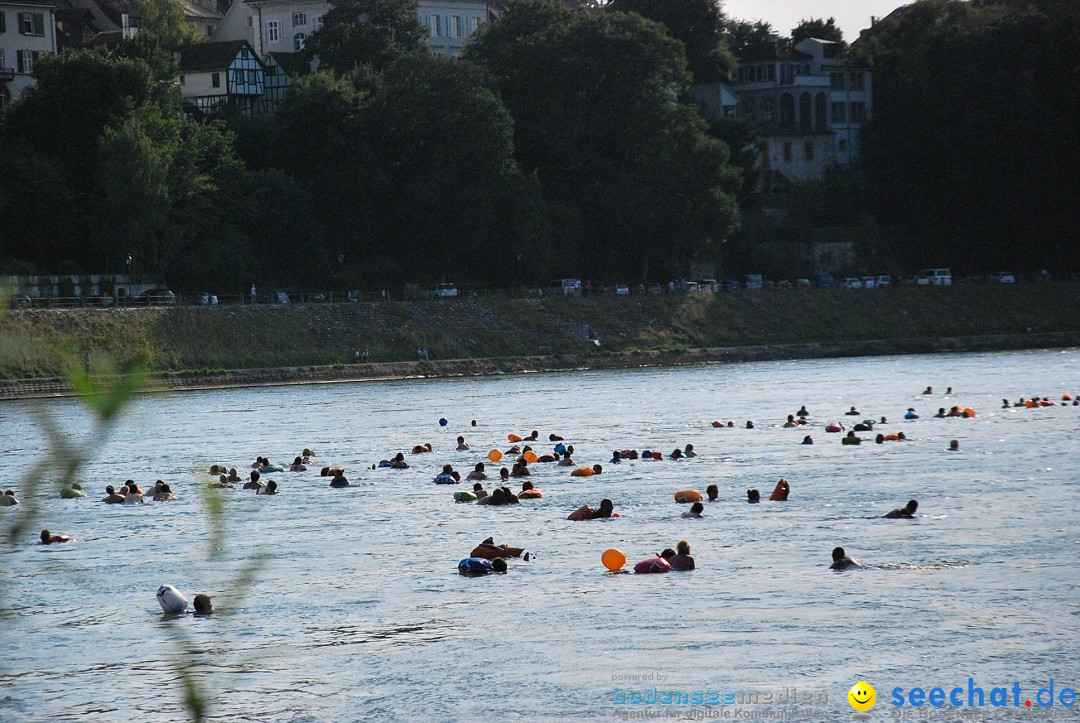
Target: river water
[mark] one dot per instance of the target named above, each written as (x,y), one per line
(358,611)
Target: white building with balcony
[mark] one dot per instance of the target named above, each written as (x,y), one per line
(809,107)
(27,30)
(283,26)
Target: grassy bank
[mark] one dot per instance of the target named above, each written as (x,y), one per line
(202,339)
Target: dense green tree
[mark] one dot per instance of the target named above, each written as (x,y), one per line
(817,28)
(164,20)
(699,24)
(973,143)
(38,213)
(367,32)
(745,35)
(624,167)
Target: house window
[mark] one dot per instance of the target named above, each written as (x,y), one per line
(839,113)
(273,31)
(787,152)
(837,80)
(253,77)
(459,25)
(215,80)
(771,71)
(251,21)
(767,110)
(32,23)
(858,112)
(299,20)
(318,23)
(298,42)
(436,26)
(858,82)
(474,23)
(3,22)
(26,60)
(809,150)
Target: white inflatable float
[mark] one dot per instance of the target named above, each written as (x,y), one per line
(171,600)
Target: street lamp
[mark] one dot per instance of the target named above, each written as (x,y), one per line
(129,259)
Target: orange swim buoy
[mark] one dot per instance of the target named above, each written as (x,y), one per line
(718,424)
(530,494)
(583,472)
(514,437)
(688,496)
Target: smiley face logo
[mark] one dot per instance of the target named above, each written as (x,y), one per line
(862,696)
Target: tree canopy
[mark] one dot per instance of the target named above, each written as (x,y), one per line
(699,24)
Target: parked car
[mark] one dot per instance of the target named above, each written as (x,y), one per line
(883,281)
(281,297)
(803,284)
(656,289)
(443,291)
(731,285)
(784,284)
(622,290)
(869,282)
(690,286)
(851,282)
(936,277)
(753,282)
(709,285)
(825,280)
(158,296)
(1004,277)
(567,287)
(205,298)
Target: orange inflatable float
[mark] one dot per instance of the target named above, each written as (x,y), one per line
(583,472)
(514,437)
(530,494)
(688,496)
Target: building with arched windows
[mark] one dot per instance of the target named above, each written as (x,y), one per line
(809,105)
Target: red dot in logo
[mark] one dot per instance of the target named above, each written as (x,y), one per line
(1027,703)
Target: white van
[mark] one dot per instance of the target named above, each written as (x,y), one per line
(937,277)
(567,287)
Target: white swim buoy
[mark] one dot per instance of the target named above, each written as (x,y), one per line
(171,600)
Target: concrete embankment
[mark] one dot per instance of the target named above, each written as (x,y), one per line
(196,348)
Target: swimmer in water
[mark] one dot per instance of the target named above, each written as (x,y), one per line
(399,462)
(954,445)
(448,469)
(753,496)
(586,512)
(713,493)
(682,560)
(533,436)
(790,422)
(297,465)
(163,493)
(1005,404)
(521,468)
(254,484)
(940,413)
(222,483)
(842,562)
(928,390)
(504,474)
(802,412)
(616,457)
(75,490)
(497,497)
(853,412)
(133,496)
(111,497)
(689,451)
(907,512)
(270,488)
(880,439)
(529,492)
(864,427)
(477,473)
(808,439)
(676,454)
(203,606)
(233,477)
(695,511)
(555,438)
(749,424)
(462,445)
(781,491)
(48,538)
(851,439)
(339,479)
(479,491)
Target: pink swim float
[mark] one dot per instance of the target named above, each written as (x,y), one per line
(653,564)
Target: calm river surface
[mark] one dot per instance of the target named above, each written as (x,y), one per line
(359,612)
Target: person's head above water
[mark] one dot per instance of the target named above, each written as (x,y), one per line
(504,473)
(203,606)
(477,486)
(911,506)
(667,554)
(498,565)
(838,554)
(606,507)
(683,547)
(447,468)
(526,485)
(752,495)
(954,445)
(255,475)
(479,467)
(697,507)
(808,439)
(713,492)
